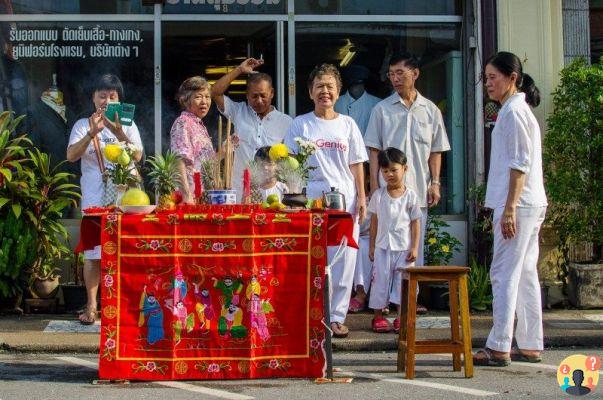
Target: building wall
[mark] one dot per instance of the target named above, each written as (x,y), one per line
(533,31)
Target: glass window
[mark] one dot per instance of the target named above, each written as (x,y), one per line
(75,7)
(362,53)
(367,7)
(47,70)
(225,6)
(211,50)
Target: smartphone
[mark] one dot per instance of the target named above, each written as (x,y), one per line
(112,108)
(126,117)
(125,113)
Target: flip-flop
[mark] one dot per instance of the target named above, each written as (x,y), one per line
(490,360)
(381,325)
(355,305)
(88,317)
(517,355)
(421,310)
(339,330)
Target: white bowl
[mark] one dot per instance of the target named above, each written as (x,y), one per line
(138,209)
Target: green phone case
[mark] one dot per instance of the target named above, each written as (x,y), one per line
(124,111)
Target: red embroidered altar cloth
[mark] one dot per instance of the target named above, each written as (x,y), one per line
(212,295)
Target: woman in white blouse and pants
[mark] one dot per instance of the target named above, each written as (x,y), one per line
(516,194)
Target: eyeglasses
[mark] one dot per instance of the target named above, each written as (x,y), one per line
(398,73)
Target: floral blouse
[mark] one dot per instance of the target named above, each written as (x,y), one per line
(190,141)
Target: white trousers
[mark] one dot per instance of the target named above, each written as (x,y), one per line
(387,277)
(364,266)
(421,256)
(342,279)
(515,283)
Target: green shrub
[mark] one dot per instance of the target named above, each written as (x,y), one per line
(573,156)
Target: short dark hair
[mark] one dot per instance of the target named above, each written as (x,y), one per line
(258,77)
(324,69)
(391,155)
(263,154)
(408,59)
(109,82)
(507,63)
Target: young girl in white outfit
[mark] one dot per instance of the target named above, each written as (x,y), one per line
(394,236)
(270,185)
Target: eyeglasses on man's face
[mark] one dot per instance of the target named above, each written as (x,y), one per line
(399,73)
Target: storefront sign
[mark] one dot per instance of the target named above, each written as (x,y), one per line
(224,6)
(75,43)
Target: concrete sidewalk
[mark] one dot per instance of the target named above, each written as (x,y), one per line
(62,333)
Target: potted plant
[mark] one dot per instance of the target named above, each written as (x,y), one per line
(50,194)
(17,248)
(573,168)
(164,177)
(439,248)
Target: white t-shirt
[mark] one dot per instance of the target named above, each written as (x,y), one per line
(516,145)
(394,216)
(279,189)
(91,182)
(418,131)
(253,133)
(339,145)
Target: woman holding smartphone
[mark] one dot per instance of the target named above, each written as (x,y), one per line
(88,138)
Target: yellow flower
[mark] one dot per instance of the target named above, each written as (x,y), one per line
(445,248)
(112,152)
(432,240)
(278,151)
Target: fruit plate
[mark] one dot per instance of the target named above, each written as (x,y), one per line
(138,209)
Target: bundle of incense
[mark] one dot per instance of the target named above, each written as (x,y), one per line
(217,182)
(228,157)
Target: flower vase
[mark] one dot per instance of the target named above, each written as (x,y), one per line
(120,190)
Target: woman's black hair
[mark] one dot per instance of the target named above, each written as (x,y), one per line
(109,82)
(507,63)
(391,155)
(263,154)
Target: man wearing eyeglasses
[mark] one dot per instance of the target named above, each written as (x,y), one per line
(411,123)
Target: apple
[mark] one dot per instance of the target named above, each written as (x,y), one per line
(176,196)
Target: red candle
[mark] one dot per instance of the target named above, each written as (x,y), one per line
(246,185)
(198,184)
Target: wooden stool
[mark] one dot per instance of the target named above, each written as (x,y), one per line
(408,346)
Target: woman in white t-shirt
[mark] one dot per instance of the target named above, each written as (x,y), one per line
(108,89)
(337,163)
(516,194)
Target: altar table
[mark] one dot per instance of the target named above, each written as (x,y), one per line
(218,293)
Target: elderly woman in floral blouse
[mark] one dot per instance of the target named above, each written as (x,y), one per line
(189,137)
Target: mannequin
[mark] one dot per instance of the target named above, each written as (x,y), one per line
(356,102)
(48,126)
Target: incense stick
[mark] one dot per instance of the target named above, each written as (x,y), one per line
(218,180)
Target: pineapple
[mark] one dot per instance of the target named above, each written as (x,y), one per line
(164,176)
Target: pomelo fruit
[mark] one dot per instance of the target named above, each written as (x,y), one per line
(135,197)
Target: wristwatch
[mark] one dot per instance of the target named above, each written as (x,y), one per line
(435,182)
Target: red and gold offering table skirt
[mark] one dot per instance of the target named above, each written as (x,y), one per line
(215,293)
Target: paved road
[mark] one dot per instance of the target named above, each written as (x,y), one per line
(70,376)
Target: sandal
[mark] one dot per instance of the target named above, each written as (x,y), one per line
(517,355)
(88,317)
(421,310)
(381,325)
(490,360)
(339,330)
(355,305)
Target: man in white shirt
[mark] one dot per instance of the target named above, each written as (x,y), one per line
(409,122)
(257,122)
